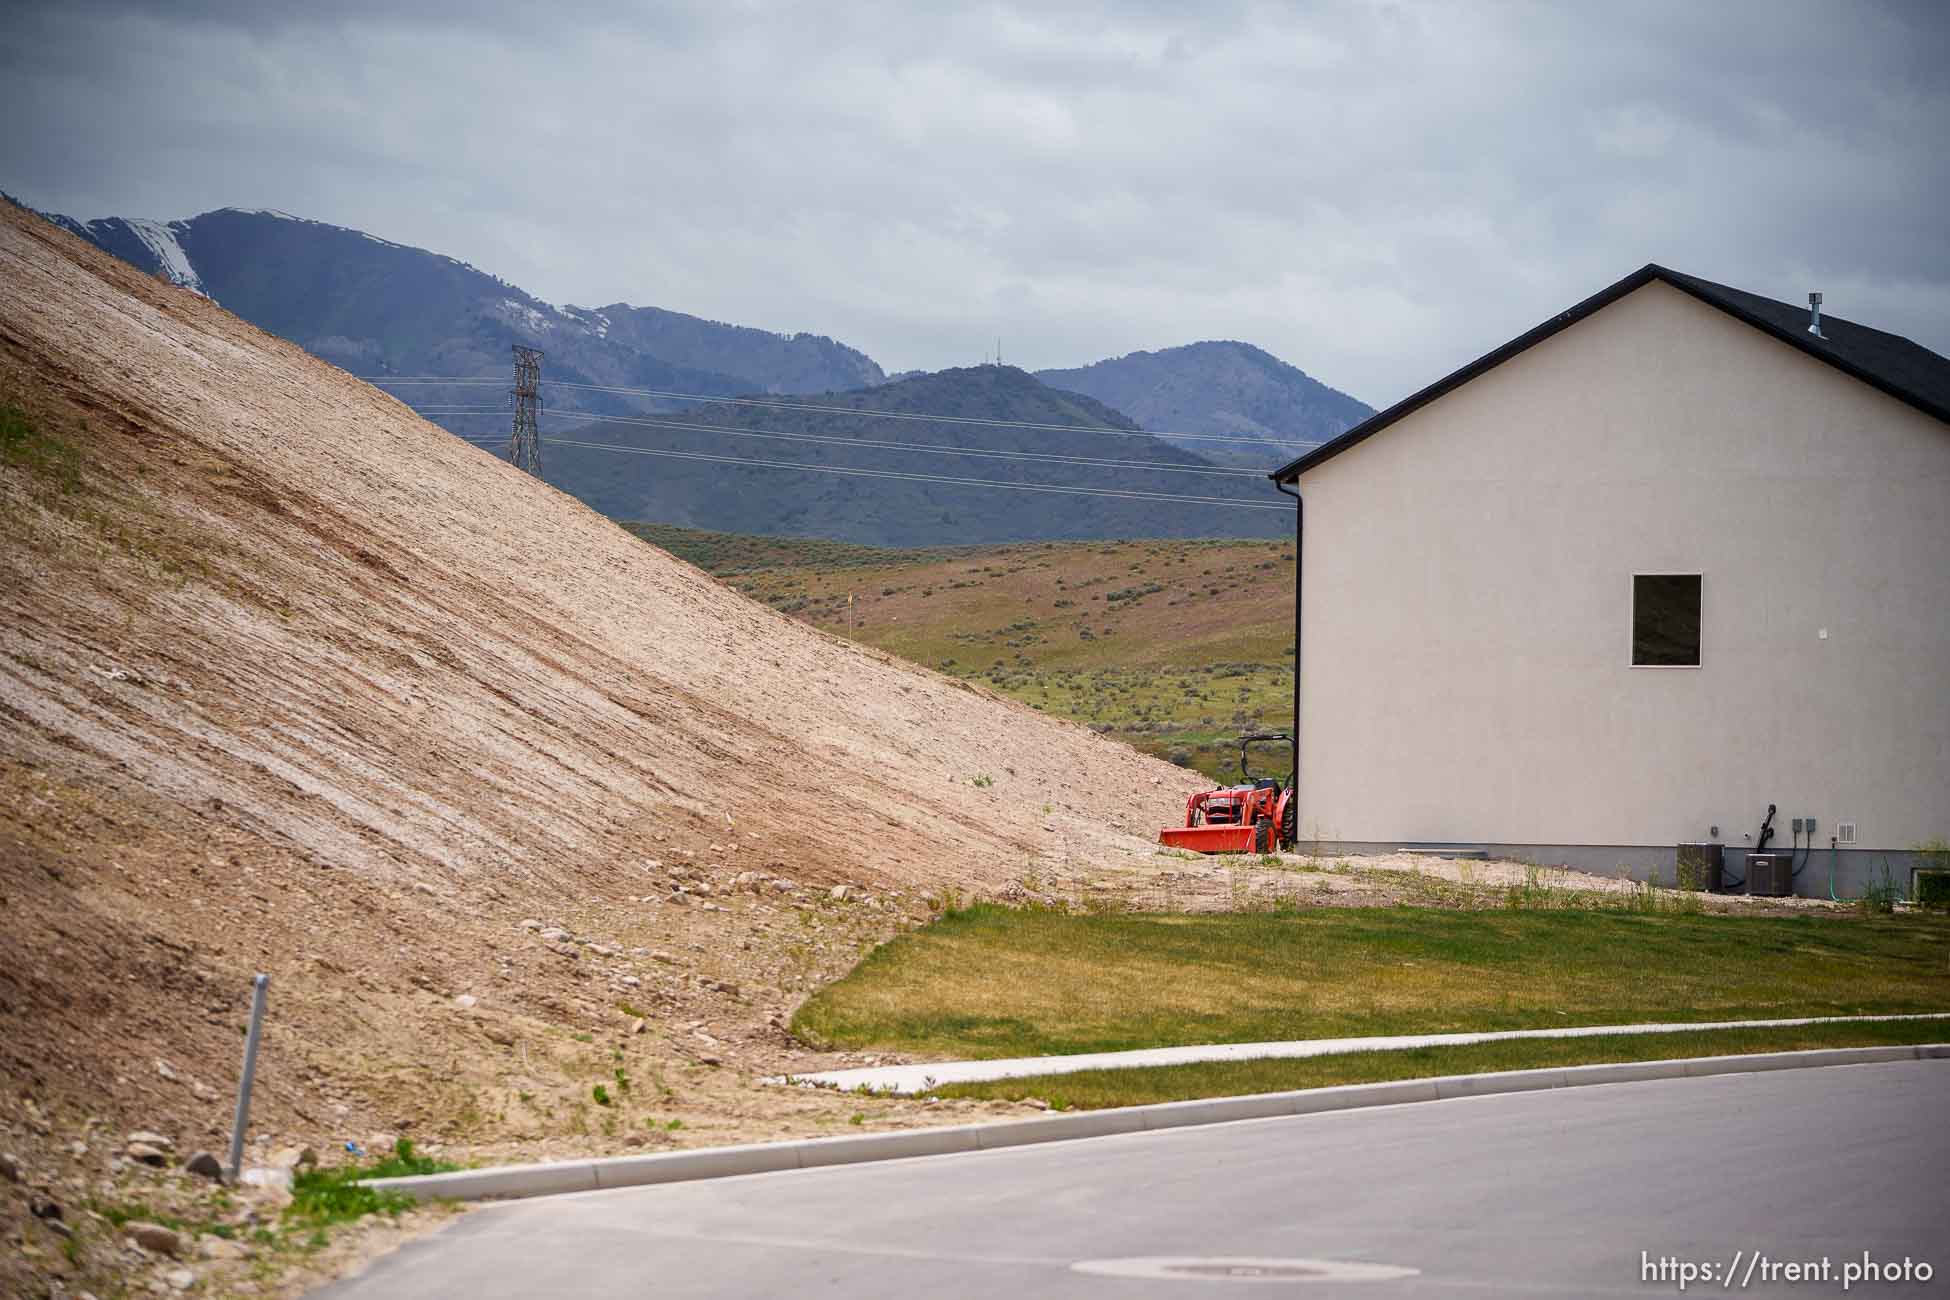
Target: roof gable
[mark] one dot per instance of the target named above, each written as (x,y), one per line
(1905,370)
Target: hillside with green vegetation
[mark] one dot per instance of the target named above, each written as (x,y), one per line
(1175,647)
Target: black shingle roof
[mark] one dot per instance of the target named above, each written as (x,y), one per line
(1906,371)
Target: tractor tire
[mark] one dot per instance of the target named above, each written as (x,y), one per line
(1263,835)
(1290,825)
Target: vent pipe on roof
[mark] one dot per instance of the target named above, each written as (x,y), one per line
(1814,316)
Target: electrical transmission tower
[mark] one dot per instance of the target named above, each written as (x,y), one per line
(525,449)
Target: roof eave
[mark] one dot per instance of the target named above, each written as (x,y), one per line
(1638,279)
(1375,423)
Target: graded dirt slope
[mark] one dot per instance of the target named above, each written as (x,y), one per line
(1173,647)
(293,681)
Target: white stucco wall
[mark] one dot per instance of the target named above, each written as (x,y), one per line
(1467,599)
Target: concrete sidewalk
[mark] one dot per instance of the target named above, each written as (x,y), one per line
(901,1080)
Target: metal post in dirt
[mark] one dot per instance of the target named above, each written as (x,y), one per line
(242,1119)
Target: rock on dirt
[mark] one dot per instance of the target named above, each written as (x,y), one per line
(290,1158)
(271,1179)
(205,1165)
(154,1237)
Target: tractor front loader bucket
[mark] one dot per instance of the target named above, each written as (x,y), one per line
(1213,839)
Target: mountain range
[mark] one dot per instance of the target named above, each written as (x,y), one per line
(378,308)
(375,308)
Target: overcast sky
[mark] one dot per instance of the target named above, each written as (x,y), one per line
(1375,192)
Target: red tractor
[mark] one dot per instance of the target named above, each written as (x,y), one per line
(1256,817)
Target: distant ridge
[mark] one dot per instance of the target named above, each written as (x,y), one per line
(884,512)
(1219,387)
(374,306)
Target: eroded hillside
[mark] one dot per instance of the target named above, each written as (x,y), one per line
(293,681)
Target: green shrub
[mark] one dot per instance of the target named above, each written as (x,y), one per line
(320,1197)
(1880,896)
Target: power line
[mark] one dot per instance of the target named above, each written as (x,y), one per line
(821,408)
(487,441)
(491,440)
(876,444)
(778,404)
(1124,493)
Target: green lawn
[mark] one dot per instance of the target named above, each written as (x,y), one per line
(1096,1089)
(993,982)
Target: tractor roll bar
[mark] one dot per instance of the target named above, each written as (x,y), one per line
(1246,742)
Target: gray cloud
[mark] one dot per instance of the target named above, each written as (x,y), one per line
(1376,192)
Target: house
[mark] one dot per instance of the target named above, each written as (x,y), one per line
(1675,555)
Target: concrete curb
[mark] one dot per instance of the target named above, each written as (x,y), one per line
(813,1153)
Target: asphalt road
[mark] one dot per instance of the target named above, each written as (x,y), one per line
(1540,1193)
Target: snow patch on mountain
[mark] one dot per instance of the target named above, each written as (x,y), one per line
(161,241)
(527,315)
(593,321)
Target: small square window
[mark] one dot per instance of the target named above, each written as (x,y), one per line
(1665,620)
